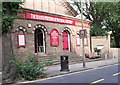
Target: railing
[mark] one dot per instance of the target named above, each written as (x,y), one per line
(40,49)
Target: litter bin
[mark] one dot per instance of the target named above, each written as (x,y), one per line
(64,63)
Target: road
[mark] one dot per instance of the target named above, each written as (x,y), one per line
(108,75)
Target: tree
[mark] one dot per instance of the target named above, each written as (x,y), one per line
(9,12)
(102,14)
(95,12)
(112,23)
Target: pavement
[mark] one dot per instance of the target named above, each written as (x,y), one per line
(55,70)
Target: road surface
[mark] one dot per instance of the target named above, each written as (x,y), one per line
(107,75)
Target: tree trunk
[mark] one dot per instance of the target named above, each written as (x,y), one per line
(9,70)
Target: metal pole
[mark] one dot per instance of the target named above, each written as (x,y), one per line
(83,47)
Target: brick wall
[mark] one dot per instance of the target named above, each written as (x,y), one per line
(49,26)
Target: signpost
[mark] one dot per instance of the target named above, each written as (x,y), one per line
(82,34)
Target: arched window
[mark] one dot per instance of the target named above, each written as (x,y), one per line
(21,36)
(54,38)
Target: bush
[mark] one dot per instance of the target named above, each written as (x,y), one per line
(29,68)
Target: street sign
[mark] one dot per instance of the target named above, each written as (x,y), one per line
(83,33)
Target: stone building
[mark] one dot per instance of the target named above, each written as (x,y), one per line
(50,29)
(51,6)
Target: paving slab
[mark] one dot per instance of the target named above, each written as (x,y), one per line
(55,70)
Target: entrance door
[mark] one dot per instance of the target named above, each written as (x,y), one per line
(65,41)
(39,41)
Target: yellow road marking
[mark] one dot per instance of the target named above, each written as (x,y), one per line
(97,81)
(67,74)
(116,74)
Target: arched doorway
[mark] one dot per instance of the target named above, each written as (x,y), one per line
(66,40)
(39,40)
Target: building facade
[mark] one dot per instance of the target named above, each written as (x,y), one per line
(51,6)
(48,33)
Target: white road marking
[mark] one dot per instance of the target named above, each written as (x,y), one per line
(116,74)
(68,74)
(97,81)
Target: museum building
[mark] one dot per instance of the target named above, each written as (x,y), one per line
(48,33)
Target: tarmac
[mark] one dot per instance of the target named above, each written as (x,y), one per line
(55,70)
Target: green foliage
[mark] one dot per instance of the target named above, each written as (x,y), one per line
(9,12)
(112,42)
(29,68)
(96,12)
(7,23)
(97,31)
(101,14)
(112,23)
(11,7)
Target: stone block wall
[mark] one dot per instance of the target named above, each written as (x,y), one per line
(101,41)
(115,52)
(58,6)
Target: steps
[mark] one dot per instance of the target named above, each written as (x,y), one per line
(72,57)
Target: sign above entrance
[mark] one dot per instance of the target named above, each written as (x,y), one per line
(49,18)
(54,38)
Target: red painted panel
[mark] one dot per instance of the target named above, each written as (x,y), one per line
(54,38)
(49,18)
(65,41)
